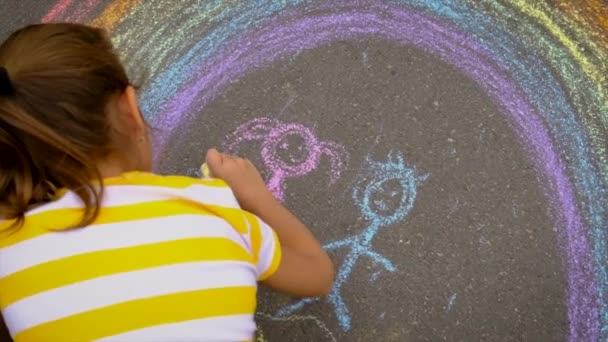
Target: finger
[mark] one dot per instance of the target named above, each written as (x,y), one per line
(214,161)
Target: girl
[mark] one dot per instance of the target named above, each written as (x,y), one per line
(98,248)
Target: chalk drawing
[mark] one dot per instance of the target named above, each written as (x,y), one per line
(295,318)
(288,150)
(385,193)
(543,62)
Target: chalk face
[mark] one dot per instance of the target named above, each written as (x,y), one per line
(386,198)
(288,150)
(390,195)
(291,149)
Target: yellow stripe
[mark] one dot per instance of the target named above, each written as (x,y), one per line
(138,314)
(255,234)
(276,258)
(570,45)
(82,267)
(40,224)
(150,179)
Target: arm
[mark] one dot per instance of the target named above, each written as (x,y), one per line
(305,268)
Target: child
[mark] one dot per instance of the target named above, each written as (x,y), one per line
(95,247)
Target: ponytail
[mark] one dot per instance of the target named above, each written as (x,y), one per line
(55,84)
(32,176)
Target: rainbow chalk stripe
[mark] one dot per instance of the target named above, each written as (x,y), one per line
(543,64)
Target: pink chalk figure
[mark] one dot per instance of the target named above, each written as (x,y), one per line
(288,150)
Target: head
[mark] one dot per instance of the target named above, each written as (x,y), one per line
(386,193)
(68,118)
(291,148)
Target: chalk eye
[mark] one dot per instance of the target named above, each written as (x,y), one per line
(292,148)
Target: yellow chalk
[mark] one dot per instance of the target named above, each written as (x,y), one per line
(205,171)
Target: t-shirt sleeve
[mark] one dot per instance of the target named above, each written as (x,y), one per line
(265,247)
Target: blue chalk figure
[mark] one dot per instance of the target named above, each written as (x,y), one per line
(385,194)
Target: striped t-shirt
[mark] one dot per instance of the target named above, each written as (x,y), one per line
(168,259)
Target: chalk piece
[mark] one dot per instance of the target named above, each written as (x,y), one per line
(205,171)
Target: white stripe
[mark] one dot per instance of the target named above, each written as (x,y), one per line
(122,287)
(218,329)
(57,245)
(117,195)
(247,238)
(267,248)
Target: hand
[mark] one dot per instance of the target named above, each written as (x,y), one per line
(242,177)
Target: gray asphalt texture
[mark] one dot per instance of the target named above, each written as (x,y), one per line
(480,232)
(476,258)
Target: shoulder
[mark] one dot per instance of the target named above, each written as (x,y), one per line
(153,187)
